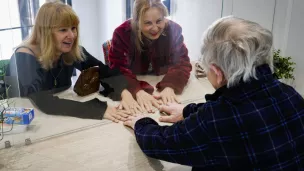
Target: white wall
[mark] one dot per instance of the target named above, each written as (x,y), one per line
(295,43)
(98,19)
(195,16)
(87,12)
(281,24)
(260,11)
(111,14)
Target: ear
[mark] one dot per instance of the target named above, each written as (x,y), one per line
(219,74)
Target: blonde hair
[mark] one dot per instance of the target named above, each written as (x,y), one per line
(140,7)
(50,16)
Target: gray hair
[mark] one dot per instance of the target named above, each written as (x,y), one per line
(237,46)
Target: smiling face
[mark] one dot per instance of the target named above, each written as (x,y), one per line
(153,23)
(64,38)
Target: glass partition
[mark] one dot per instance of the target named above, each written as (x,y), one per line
(165,59)
(22,122)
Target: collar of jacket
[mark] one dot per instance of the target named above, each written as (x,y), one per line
(263,75)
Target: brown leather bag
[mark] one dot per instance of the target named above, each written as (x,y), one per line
(87,82)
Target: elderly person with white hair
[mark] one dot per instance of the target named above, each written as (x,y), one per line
(251,122)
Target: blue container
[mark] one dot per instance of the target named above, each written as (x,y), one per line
(21,116)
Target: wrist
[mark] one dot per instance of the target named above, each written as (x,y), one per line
(140,92)
(181,117)
(170,88)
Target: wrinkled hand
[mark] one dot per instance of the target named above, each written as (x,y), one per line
(132,120)
(129,103)
(116,115)
(147,101)
(174,112)
(167,96)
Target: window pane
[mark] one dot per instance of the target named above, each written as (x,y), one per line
(41,2)
(9,40)
(9,14)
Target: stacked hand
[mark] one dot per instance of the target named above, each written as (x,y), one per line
(147,101)
(132,120)
(173,110)
(167,96)
(115,114)
(129,103)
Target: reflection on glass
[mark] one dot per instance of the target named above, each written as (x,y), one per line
(142,75)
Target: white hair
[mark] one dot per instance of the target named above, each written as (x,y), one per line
(237,46)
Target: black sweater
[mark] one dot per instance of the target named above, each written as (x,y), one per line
(27,78)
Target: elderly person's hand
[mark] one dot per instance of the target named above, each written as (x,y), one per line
(129,103)
(115,114)
(132,120)
(167,96)
(174,112)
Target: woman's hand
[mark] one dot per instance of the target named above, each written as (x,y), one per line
(147,101)
(129,103)
(115,114)
(167,96)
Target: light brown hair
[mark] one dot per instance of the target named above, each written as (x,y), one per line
(50,16)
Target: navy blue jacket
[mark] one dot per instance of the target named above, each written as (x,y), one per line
(256,125)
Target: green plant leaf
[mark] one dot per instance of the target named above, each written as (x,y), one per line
(283,66)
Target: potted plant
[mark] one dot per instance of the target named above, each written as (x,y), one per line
(283,67)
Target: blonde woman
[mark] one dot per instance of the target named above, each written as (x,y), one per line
(150,44)
(46,60)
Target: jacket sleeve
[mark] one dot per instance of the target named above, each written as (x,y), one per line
(191,108)
(93,109)
(185,142)
(179,72)
(118,59)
